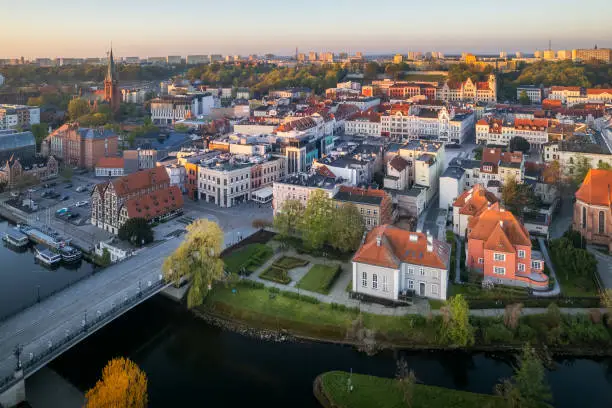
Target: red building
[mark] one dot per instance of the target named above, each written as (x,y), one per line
(499,247)
(593,208)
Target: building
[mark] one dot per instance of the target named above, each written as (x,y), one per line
(564,54)
(601,54)
(134,95)
(110,167)
(18,116)
(593,208)
(568,153)
(375,206)
(363,124)
(398,58)
(300,186)
(533,92)
(562,93)
(224,183)
(499,247)
(362,102)
(141,159)
(15,167)
(1,79)
(118,250)
(470,204)
(18,144)
(197,59)
(469,91)
(174,59)
(112,92)
(494,131)
(452,183)
(166,110)
(354,163)
(80,147)
(145,194)
(394,264)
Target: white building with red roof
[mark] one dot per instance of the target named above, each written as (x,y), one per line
(395,264)
(498,132)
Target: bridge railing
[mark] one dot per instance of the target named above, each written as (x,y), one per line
(55,348)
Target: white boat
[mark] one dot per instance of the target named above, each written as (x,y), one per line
(47,257)
(70,254)
(16,238)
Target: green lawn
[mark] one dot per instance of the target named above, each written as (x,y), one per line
(320,278)
(290,262)
(369,391)
(276,274)
(475,291)
(249,257)
(436,304)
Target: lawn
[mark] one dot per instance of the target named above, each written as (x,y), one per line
(290,262)
(276,274)
(576,286)
(475,291)
(369,391)
(320,278)
(249,257)
(436,304)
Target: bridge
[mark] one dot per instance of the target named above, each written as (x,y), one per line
(34,337)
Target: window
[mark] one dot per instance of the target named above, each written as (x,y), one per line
(583,217)
(481,260)
(521,267)
(521,253)
(364,280)
(374,281)
(385,284)
(602,222)
(499,257)
(410,284)
(434,289)
(536,264)
(410,271)
(498,270)
(422,271)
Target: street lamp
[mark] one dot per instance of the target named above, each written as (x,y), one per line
(18,350)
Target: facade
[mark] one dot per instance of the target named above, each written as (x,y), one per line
(300,186)
(166,110)
(110,167)
(375,206)
(18,144)
(136,95)
(469,91)
(601,54)
(80,147)
(563,93)
(14,116)
(224,184)
(470,204)
(393,264)
(112,92)
(593,208)
(533,92)
(39,167)
(498,132)
(452,183)
(363,124)
(197,59)
(146,194)
(499,247)
(569,153)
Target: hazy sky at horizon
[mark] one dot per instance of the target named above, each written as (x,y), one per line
(143,28)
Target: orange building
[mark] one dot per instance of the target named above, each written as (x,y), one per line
(592,209)
(191,169)
(499,247)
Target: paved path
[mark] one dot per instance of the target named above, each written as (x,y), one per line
(604,266)
(556,290)
(458,261)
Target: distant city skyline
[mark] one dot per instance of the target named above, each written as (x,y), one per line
(154,28)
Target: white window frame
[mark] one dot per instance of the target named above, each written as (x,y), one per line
(411,284)
(521,267)
(521,253)
(499,270)
(499,257)
(364,279)
(434,289)
(374,281)
(410,271)
(536,264)
(481,261)
(422,271)
(385,284)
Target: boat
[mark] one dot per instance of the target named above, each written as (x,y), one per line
(70,254)
(16,238)
(50,239)
(47,257)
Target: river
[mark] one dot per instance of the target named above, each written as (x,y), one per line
(24,279)
(190,363)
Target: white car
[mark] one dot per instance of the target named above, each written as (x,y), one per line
(14,194)
(81,203)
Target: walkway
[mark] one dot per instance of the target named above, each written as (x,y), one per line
(604,266)
(556,290)
(458,261)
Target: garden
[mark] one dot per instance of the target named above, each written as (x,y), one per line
(279,271)
(320,278)
(247,259)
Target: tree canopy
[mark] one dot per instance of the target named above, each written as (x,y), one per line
(457,329)
(288,218)
(78,107)
(518,197)
(317,219)
(197,257)
(347,228)
(123,385)
(138,231)
(519,144)
(40,132)
(524,98)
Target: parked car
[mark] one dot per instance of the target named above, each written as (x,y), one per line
(81,203)
(68,185)
(14,194)
(62,210)
(65,198)
(81,189)
(49,185)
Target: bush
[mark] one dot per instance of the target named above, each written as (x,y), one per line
(497,333)
(273,289)
(276,274)
(553,315)
(526,333)
(297,296)
(252,284)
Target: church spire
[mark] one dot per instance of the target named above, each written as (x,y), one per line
(110,75)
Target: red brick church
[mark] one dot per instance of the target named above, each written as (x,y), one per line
(112,93)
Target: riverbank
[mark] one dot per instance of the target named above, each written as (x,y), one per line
(332,390)
(245,307)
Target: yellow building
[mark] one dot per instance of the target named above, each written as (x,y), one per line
(470,59)
(398,59)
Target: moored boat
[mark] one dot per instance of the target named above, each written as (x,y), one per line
(46,257)
(70,254)
(15,238)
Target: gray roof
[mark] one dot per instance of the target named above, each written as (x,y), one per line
(453,172)
(347,196)
(89,133)
(10,141)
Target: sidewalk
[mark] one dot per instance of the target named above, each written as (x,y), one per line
(604,266)
(556,290)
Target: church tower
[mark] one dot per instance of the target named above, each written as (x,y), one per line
(112,93)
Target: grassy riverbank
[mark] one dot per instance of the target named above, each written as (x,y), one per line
(258,307)
(331,389)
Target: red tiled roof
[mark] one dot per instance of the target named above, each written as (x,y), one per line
(593,91)
(110,163)
(565,88)
(596,188)
(483,227)
(475,200)
(398,163)
(140,180)
(389,246)
(539,124)
(155,204)
(483,86)
(325,171)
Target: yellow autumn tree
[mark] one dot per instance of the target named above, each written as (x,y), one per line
(123,385)
(198,258)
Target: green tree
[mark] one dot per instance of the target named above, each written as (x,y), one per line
(77,107)
(371,70)
(524,98)
(105,259)
(138,231)
(181,128)
(517,198)
(288,218)
(581,168)
(40,132)
(530,380)
(456,328)
(519,144)
(24,181)
(197,257)
(317,219)
(346,228)
(603,165)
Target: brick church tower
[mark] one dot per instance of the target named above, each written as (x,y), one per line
(112,93)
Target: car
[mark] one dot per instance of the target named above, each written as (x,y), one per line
(62,210)
(81,189)
(14,194)
(65,198)
(49,185)
(68,185)
(73,215)
(81,203)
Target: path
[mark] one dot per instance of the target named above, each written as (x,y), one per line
(458,261)
(556,290)
(604,266)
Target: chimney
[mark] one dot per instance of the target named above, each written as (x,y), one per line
(501,223)
(378,240)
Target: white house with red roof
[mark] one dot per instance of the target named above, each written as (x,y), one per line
(394,264)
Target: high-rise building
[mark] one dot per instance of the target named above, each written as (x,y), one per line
(503,54)
(112,92)
(538,54)
(312,56)
(601,54)
(549,55)
(518,54)
(398,59)
(564,54)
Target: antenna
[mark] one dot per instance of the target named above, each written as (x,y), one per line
(549,45)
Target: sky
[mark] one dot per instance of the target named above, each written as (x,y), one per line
(85,28)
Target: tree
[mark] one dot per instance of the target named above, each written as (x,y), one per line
(518,197)
(40,132)
(181,128)
(581,168)
(524,98)
(197,257)
(24,181)
(407,380)
(123,385)
(603,165)
(530,380)
(77,108)
(346,228)
(288,218)
(137,230)
(67,172)
(519,144)
(456,329)
(371,70)
(317,219)
(105,259)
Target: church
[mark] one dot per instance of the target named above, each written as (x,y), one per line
(112,92)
